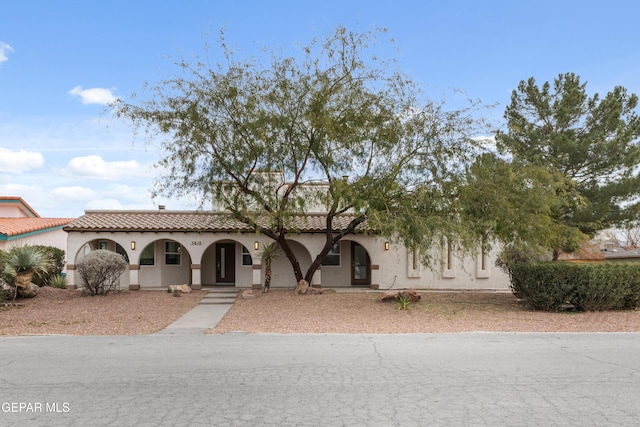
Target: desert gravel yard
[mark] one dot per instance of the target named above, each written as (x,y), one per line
(360,312)
(58,311)
(61,311)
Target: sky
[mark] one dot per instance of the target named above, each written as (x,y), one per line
(62,62)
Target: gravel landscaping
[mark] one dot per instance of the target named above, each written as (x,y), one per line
(58,311)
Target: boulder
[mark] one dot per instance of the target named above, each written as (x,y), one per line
(180,288)
(247,294)
(301,288)
(28,291)
(389,296)
(7,292)
(410,294)
(315,291)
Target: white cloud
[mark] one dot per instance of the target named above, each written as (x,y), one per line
(19,161)
(74,193)
(95,167)
(95,95)
(4,50)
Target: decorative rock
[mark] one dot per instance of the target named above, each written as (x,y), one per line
(411,294)
(180,288)
(247,294)
(29,291)
(389,296)
(301,287)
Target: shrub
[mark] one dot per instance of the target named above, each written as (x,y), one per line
(552,286)
(55,259)
(100,271)
(21,260)
(58,281)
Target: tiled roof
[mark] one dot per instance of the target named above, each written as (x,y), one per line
(10,227)
(187,221)
(21,204)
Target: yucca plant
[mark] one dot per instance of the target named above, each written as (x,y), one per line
(22,262)
(268,254)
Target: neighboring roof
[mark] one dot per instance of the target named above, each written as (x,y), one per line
(588,252)
(15,227)
(622,253)
(187,221)
(183,221)
(20,204)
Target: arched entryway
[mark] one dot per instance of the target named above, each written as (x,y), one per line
(360,265)
(109,245)
(164,262)
(227,263)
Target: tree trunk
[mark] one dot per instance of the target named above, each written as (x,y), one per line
(267,275)
(284,244)
(318,261)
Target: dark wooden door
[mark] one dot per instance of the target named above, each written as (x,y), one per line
(225,262)
(360,265)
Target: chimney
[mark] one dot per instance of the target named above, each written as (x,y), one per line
(161,207)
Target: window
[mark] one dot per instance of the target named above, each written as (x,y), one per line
(246,257)
(103,245)
(120,250)
(147,257)
(172,253)
(333,257)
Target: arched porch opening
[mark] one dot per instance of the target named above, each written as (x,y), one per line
(164,262)
(105,244)
(282,275)
(227,262)
(347,264)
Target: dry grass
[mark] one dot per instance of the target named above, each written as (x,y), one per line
(56,311)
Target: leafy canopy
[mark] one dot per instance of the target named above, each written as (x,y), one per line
(591,142)
(333,113)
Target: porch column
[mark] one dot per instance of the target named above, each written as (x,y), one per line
(256,279)
(196,276)
(134,281)
(71,276)
(375,279)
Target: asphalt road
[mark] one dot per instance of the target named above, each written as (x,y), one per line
(321,380)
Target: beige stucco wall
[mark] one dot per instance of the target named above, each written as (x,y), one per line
(391,268)
(56,238)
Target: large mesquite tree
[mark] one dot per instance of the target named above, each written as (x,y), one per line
(333,112)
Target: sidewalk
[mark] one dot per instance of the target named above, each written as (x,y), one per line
(197,320)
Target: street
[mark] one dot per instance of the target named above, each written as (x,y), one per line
(240,379)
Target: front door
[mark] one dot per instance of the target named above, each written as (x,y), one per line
(225,262)
(360,265)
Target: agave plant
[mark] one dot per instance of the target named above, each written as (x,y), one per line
(268,254)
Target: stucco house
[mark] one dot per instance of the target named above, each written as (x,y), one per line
(165,247)
(21,225)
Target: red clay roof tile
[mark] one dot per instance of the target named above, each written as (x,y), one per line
(187,221)
(16,226)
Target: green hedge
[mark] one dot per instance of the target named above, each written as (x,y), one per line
(553,286)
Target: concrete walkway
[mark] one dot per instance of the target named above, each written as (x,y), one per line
(206,314)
